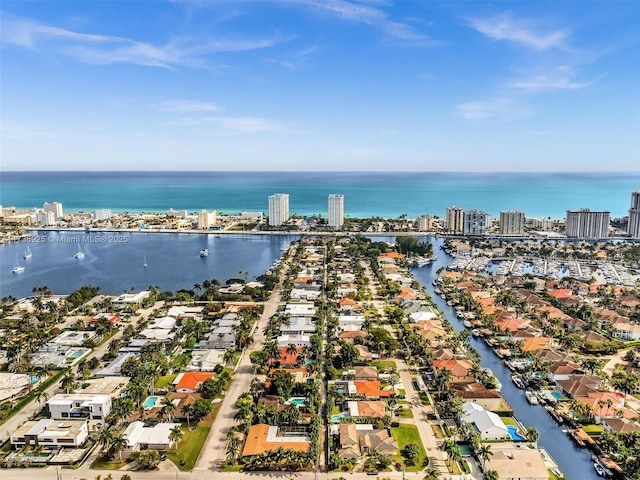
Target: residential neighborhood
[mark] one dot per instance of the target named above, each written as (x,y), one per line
(349,366)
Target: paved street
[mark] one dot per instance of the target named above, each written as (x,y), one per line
(213,451)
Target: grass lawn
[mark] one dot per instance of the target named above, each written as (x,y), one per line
(404,435)
(165,381)
(424,398)
(552,476)
(510,421)
(382,364)
(437,430)
(104,463)
(190,446)
(403,413)
(593,429)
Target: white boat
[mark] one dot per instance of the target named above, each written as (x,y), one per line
(531,397)
(467,324)
(204,252)
(475,332)
(600,470)
(145,262)
(517,381)
(27,253)
(79,253)
(18,268)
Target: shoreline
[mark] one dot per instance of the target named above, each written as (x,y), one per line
(31,230)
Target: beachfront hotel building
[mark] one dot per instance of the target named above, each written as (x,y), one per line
(633,227)
(206,220)
(584,223)
(102,214)
(336,210)
(512,223)
(45,219)
(425,223)
(474,222)
(455,216)
(53,207)
(278,209)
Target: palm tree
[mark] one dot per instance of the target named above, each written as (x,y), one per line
(175,435)
(187,411)
(431,474)
(233,447)
(484,453)
(228,357)
(40,396)
(449,446)
(68,383)
(118,443)
(491,475)
(532,434)
(292,349)
(168,408)
(106,436)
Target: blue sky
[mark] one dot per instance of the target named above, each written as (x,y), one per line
(320,85)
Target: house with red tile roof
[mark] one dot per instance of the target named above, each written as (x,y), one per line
(263,438)
(190,382)
(460,369)
(535,343)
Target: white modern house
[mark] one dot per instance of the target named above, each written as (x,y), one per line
(140,437)
(51,433)
(487,423)
(79,405)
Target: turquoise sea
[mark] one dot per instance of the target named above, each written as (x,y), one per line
(367,194)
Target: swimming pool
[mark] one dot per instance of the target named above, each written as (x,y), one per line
(150,402)
(298,401)
(513,432)
(339,416)
(556,395)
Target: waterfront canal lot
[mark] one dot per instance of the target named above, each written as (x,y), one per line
(573,461)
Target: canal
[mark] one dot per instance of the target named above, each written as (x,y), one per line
(574,462)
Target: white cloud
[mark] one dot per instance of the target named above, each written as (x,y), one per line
(558,79)
(544,83)
(107,49)
(187,106)
(503,109)
(238,125)
(504,27)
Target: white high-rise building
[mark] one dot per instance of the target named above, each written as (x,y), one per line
(512,223)
(633,227)
(336,210)
(45,218)
(425,223)
(455,217)
(278,209)
(102,214)
(474,222)
(586,224)
(54,207)
(206,220)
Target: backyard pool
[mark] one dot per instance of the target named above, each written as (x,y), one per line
(298,401)
(338,416)
(513,432)
(150,402)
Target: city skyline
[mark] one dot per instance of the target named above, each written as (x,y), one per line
(306,85)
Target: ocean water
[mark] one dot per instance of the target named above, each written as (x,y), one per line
(387,195)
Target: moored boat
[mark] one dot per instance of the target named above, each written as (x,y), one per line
(531,397)
(204,252)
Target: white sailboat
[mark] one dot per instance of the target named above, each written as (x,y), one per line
(145,262)
(27,253)
(79,253)
(18,268)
